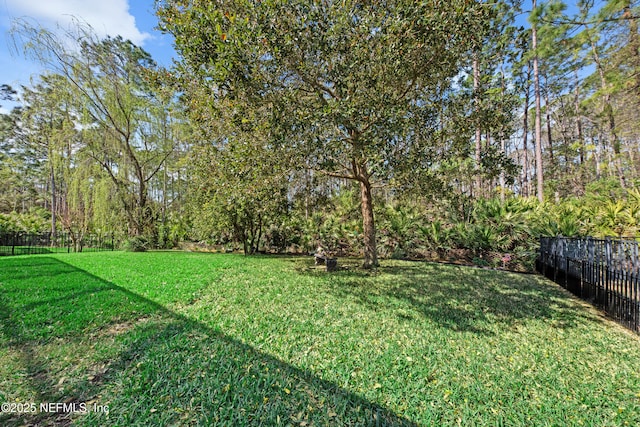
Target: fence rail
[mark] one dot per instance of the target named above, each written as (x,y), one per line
(44,243)
(605,272)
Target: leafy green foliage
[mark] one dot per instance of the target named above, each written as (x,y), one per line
(36,221)
(487,229)
(136,244)
(238,190)
(347,88)
(126,128)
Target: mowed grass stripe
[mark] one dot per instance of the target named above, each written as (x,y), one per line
(198,339)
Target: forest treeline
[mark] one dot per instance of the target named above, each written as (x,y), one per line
(448,130)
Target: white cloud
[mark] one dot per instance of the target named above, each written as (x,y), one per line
(107,17)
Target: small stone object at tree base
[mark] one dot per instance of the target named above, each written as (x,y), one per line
(321,257)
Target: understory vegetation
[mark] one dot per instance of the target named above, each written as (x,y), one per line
(487,232)
(174,338)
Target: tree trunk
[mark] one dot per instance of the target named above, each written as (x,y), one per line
(578,118)
(615,144)
(503,144)
(259,233)
(503,182)
(634,44)
(164,195)
(598,156)
(478,135)
(525,147)
(548,120)
(142,204)
(54,201)
(368,225)
(538,121)
(607,111)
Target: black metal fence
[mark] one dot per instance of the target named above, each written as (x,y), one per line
(45,243)
(605,272)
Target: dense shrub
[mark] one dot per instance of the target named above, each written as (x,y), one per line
(36,221)
(485,232)
(136,244)
(488,232)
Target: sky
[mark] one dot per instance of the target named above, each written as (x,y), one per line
(132,19)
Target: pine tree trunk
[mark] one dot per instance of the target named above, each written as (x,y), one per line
(598,155)
(503,145)
(634,44)
(578,119)
(525,148)
(607,111)
(548,122)
(478,135)
(538,119)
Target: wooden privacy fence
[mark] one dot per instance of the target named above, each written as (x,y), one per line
(605,272)
(16,243)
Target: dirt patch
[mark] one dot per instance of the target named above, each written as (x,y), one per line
(119,328)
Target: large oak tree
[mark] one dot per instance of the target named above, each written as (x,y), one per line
(352,82)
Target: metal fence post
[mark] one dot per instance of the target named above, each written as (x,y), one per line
(582,268)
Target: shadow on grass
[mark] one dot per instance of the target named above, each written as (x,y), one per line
(169,370)
(457,297)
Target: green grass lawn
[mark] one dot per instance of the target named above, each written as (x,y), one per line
(170,338)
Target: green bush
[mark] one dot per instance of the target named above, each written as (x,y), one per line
(36,221)
(136,244)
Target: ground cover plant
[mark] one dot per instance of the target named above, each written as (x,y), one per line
(172,338)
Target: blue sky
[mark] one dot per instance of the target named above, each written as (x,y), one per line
(132,19)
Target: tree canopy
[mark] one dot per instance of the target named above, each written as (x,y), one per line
(351,86)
